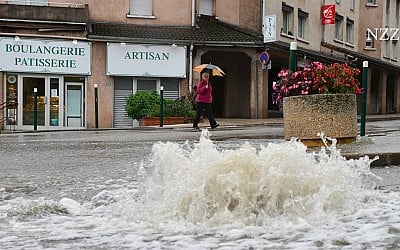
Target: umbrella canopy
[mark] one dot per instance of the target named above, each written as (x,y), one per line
(215,70)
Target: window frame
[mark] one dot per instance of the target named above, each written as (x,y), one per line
(147,11)
(386,48)
(29,2)
(349,31)
(352,4)
(203,6)
(387,13)
(302,23)
(397,12)
(394,50)
(287,20)
(369,43)
(169,93)
(339,27)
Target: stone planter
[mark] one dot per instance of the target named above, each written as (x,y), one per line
(155,121)
(334,114)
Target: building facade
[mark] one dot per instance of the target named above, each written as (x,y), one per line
(83,59)
(355,36)
(140,45)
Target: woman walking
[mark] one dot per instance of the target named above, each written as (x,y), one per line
(203,101)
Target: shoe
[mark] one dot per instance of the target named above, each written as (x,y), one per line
(215,126)
(196,129)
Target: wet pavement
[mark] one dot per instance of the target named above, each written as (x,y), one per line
(88,172)
(382,138)
(83,190)
(70,157)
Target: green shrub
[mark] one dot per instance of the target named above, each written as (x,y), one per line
(182,108)
(147,103)
(142,103)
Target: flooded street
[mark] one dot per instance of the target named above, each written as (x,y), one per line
(127,190)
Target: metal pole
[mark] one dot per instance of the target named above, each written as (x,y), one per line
(96,106)
(364,97)
(161,106)
(35,109)
(292,57)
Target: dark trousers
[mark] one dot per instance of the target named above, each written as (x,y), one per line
(200,107)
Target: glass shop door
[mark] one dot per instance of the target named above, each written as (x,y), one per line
(48,102)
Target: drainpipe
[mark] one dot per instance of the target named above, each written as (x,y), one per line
(262,16)
(191,48)
(191,68)
(256,86)
(193,13)
(323,27)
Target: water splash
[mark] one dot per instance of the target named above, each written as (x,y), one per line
(203,184)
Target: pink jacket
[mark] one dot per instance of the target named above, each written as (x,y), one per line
(204,94)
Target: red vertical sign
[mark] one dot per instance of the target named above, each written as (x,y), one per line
(328,14)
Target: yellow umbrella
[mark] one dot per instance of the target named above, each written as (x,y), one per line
(216,71)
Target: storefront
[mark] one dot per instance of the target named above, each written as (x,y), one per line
(139,67)
(55,71)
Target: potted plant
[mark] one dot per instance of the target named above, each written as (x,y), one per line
(319,98)
(144,106)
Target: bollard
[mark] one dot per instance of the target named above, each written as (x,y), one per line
(364,98)
(35,109)
(96,106)
(161,106)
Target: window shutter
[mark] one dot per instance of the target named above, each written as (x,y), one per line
(206,7)
(29,2)
(141,7)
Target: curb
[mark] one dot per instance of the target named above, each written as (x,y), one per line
(385,159)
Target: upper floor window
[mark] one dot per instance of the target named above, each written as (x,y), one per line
(394,50)
(349,31)
(302,24)
(339,27)
(352,4)
(369,42)
(371,2)
(397,12)
(386,48)
(387,19)
(141,8)
(206,7)
(29,2)
(287,22)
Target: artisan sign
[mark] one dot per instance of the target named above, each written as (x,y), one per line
(45,56)
(146,60)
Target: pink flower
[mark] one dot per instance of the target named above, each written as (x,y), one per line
(317,78)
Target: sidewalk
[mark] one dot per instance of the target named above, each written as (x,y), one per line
(279,121)
(382,137)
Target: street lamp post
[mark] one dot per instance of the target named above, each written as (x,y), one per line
(292,56)
(96,106)
(35,111)
(161,106)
